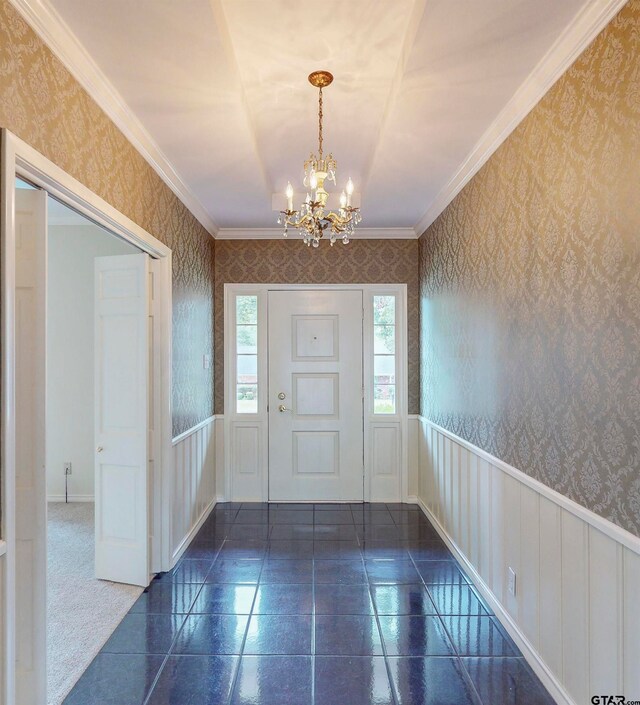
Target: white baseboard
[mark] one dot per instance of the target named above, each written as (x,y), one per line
(532,657)
(184,544)
(70,498)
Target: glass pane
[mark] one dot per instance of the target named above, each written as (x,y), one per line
(384,369)
(247,340)
(247,369)
(384,339)
(384,309)
(384,399)
(24,184)
(247,399)
(247,309)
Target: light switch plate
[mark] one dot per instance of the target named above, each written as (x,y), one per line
(512,581)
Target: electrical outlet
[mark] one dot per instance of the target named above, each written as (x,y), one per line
(512,581)
(67,468)
(206,362)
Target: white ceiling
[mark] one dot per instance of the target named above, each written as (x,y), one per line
(221,88)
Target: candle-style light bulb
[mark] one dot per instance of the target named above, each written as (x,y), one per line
(289,193)
(349,191)
(343,200)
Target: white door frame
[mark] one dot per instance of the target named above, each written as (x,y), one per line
(20,159)
(246,447)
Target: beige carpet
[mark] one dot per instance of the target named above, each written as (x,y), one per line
(82,611)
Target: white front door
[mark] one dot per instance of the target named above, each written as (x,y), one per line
(122,418)
(31,507)
(315,396)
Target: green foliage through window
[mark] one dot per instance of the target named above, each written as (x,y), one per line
(384,349)
(247,354)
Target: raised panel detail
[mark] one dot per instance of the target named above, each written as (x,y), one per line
(316,395)
(315,337)
(247,450)
(316,452)
(385,450)
(120,284)
(119,341)
(605,588)
(119,491)
(631,620)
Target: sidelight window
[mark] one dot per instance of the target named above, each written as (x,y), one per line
(247,354)
(384,354)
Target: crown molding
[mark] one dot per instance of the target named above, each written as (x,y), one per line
(276,234)
(57,35)
(575,38)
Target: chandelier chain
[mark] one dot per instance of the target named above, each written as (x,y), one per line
(320,125)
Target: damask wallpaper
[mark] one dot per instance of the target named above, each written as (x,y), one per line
(289,262)
(530,289)
(43,104)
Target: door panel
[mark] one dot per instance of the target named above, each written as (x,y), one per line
(316,431)
(122,334)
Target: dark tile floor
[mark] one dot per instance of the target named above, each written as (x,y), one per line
(286,604)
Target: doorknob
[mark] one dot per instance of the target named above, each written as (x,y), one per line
(282,408)
(99,449)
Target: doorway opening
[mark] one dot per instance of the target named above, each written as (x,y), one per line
(82,610)
(86,315)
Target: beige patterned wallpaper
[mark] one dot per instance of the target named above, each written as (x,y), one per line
(530,289)
(290,262)
(42,104)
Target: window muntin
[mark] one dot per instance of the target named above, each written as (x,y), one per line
(384,354)
(247,354)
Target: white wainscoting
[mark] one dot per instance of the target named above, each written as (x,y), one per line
(194,483)
(3,611)
(575,614)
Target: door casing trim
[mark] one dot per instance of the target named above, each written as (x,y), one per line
(20,159)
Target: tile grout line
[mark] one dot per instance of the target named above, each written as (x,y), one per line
(385,656)
(236,673)
(466,674)
(188,613)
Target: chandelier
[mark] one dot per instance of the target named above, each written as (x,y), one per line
(312,220)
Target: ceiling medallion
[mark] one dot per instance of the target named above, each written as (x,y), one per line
(312,220)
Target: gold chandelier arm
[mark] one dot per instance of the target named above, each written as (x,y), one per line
(334,218)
